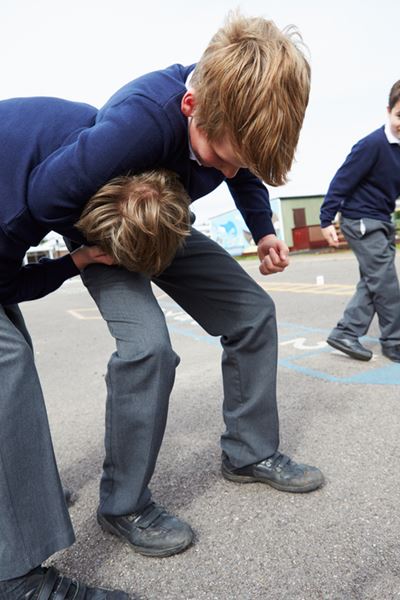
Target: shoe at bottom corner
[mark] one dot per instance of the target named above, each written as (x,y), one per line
(278,471)
(48,584)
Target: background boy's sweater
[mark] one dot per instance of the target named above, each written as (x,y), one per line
(368,182)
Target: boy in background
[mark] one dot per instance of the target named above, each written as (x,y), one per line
(364,190)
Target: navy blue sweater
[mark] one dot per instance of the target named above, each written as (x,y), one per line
(55,154)
(368,182)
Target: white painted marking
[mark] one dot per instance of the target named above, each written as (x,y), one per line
(77,313)
(299,344)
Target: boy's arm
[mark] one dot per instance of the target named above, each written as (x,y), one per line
(127,137)
(252,200)
(19,283)
(356,166)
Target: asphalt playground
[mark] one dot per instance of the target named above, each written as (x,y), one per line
(252,542)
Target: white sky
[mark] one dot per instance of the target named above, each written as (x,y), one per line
(86,49)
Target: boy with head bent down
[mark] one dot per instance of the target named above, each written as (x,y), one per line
(235,117)
(137,222)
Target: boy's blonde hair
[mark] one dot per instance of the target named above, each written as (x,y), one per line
(140,220)
(252,85)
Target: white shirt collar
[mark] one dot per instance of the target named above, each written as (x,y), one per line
(392,139)
(188,78)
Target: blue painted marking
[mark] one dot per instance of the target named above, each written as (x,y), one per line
(304,328)
(194,335)
(389,375)
(283,362)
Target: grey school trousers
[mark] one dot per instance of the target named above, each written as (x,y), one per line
(34,520)
(210,285)
(373,243)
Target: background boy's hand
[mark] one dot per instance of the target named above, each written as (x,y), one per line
(87,255)
(273,254)
(330,235)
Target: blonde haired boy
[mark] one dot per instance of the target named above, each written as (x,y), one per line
(237,121)
(140,221)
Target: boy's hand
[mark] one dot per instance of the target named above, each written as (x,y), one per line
(273,254)
(87,255)
(330,235)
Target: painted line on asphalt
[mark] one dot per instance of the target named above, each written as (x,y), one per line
(85,314)
(309,288)
(306,341)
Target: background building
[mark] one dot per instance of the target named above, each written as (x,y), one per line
(295,218)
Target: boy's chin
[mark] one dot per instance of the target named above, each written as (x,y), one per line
(396,133)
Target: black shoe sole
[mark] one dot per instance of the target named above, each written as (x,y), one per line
(106,526)
(345,350)
(282,488)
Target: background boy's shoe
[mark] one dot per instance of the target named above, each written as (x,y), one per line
(48,584)
(152,532)
(392,352)
(349,346)
(279,471)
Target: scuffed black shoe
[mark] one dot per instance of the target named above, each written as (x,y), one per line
(279,471)
(48,584)
(350,346)
(152,532)
(392,352)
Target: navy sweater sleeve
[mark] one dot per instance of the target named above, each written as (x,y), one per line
(357,165)
(126,137)
(252,200)
(20,282)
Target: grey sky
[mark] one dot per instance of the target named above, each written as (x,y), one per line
(85,49)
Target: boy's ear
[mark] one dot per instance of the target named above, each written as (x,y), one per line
(188,103)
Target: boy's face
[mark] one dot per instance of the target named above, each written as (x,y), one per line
(394,119)
(219,155)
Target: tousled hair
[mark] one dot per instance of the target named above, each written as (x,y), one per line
(139,220)
(252,86)
(394,95)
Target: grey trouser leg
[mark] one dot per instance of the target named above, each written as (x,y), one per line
(211,286)
(139,381)
(215,290)
(378,289)
(34,520)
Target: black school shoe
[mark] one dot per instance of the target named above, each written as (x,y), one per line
(279,471)
(48,584)
(392,352)
(152,532)
(350,346)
